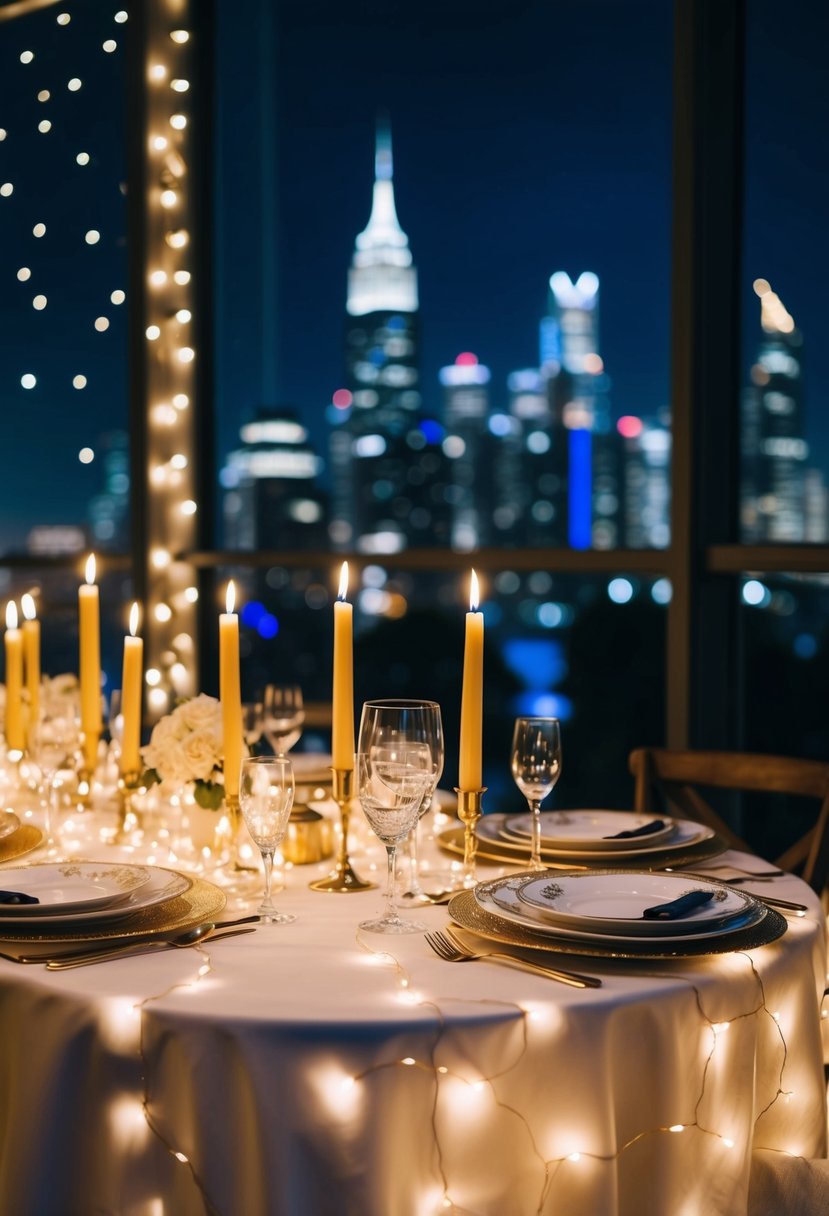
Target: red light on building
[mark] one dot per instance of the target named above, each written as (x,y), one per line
(629,426)
(342,399)
(466,359)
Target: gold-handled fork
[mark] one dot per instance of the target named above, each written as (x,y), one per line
(448,947)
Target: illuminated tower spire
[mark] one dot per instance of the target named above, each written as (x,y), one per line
(382,277)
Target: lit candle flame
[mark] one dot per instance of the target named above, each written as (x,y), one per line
(11,615)
(474,593)
(134,620)
(343,591)
(230,599)
(90,569)
(28,604)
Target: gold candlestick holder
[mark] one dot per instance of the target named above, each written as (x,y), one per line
(469,812)
(342,877)
(128,784)
(86,772)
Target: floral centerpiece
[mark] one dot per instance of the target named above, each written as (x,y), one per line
(185,748)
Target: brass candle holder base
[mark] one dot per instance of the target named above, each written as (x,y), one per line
(469,812)
(128,784)
(86,772)
(342,877)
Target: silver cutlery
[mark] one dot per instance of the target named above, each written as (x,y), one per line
(786,905)
(77,950)
(451,949)
(202,933)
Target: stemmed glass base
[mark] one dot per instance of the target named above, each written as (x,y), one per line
(391,921)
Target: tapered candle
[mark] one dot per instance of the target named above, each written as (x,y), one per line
(15,728)
(342,701)
(90,663)
(31,650)
(230,693)
(472,700)
(132,682)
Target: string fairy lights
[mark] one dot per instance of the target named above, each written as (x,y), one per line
(557,1158)
(170,363)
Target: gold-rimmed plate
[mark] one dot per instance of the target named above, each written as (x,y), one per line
(503,852)
(17,844)
(465,911)
(202,902)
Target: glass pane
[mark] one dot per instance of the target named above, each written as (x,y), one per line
(786,664)
(785,441)
(64,276)
(461,217)
(55,592)
(589,650)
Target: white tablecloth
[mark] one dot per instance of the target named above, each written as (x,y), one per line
(311,1069)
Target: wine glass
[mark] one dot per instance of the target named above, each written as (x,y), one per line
(536,767)
(266,795)
(282,716)
(252,722)
(391,787)
(419,723)
(53,743)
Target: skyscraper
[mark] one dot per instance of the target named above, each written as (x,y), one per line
(570,352)
(646,459)
(369,453)
(775,452)
(271,496)
(466,412)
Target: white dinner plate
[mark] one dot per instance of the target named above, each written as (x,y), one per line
(615,903)
(70,887)
(8,823)
(491,829)
(501,897)
(160,886)
(589,829)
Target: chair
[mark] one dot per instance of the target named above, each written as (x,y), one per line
(674,774)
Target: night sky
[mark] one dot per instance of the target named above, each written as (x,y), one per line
(528,137)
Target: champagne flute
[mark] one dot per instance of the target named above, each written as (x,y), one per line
(283,715)
(536,767)
(391,790)
(266,795)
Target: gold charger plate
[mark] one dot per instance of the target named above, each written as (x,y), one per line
(23,841)
(201,903)
(451,841)
(464,910)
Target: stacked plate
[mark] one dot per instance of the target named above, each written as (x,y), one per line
(87,899)
(593,838)
(617,913)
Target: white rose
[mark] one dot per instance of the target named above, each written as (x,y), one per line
(200,713)
(164,744)
(201,755)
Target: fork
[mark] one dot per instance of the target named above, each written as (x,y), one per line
(452,950)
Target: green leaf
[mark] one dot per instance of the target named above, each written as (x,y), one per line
(209,794)
(150,777)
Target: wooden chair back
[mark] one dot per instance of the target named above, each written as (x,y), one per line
(676,774)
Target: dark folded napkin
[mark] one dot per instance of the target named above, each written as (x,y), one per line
(678,907)
(17,897)
(646,830)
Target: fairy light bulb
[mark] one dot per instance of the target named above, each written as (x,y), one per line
(186,354)
(182,277)
(159,142)
(6,189)
(179,85)
(183,316)
(180,36)
(169,198)
(82,158)
(158,72)
(158,278)
(178,121)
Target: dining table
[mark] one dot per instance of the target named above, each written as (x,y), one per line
(316,1069)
